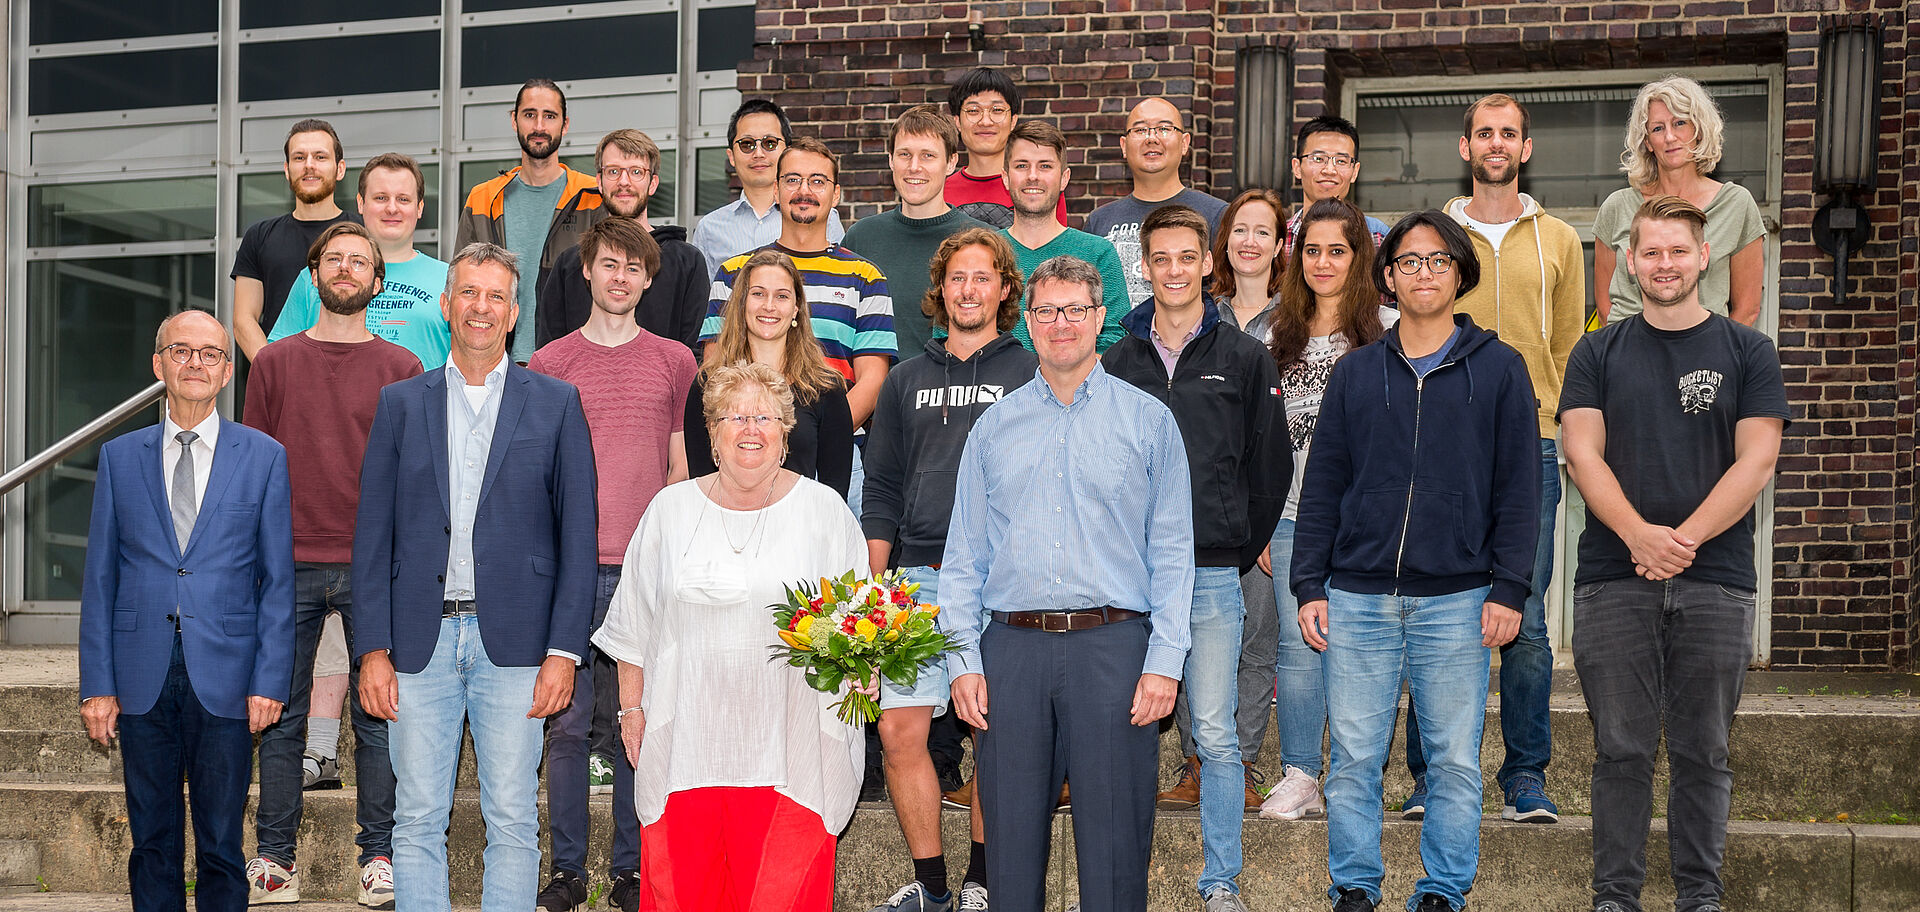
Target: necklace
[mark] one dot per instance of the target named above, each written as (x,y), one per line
(726,529)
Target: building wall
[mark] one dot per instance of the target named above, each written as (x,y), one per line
(1845,538)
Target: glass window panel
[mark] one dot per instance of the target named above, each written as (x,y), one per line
(1410,145)
(662,205)
(326,67)
(90,326)
(272,13)
(710,189)
(485,6)
(266,194)
(726,36)
(59,21)
(121,212)
(112,82)
(647,45)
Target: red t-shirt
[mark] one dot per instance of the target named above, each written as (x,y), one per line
(318,399)
(964,188)
(635,398)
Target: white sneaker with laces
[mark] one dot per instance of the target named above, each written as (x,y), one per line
(1223,899)
(268,882)
(913,898)
(973,897)
(376,883)
(1297,796)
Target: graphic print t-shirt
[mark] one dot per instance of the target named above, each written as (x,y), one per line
(1302,385)
(1671,401)
(1119,222)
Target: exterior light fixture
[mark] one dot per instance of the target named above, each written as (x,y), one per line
(1263,129)
(1846,140)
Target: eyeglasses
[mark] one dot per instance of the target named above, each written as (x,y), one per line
(1438,263)
(766,143)
(816,182)
(1161,132)
(1075,313)
(637,175)
(741,421)
(1322,159)
(979,112)
(184,354)
(355,262)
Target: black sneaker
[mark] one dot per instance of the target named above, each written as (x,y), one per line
(624,894)
(873,786)
(1433,902)
(1353,900)
(566,892)
(948,773)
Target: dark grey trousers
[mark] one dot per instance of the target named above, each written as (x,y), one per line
(1058,708)
(1648,653)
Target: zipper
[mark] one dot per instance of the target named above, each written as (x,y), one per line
(1406,518)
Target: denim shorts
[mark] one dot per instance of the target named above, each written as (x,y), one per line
(931,687)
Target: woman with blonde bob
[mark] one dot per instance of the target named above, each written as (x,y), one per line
(743,772)
(766,321)
(1674,139)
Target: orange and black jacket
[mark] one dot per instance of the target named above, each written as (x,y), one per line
(483,218)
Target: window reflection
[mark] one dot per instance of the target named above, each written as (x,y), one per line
(121,212)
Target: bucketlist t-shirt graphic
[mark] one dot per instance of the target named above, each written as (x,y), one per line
(406,312)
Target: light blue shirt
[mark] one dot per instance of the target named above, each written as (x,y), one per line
(734,229)
(406,312)
(1065,507)
(469,441)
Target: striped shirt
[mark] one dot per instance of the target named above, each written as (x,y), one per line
(846,297)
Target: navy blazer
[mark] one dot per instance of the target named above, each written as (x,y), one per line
(534,547)
(232,590)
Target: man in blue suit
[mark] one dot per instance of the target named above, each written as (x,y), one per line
(186,618)
(474,561)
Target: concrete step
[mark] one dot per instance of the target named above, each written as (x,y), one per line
(69,756)
(81,835)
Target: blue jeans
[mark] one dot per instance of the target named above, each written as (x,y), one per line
(1526,664)
(567,815)
(856,487)
(1301,709)
(1372,640)
(460,682)
(931,687)
(1213,688)
(317,590)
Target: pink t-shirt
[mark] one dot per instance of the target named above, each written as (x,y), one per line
(635,397)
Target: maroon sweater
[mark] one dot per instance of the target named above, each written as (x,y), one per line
(318,399)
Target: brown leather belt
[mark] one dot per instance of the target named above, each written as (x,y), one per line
(1064,621)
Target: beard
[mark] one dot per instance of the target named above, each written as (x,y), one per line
(346,305)
(323,192)
(1482,175)
(1019,206)
(1680,292)
(539,149)
(974,322)
(613,206)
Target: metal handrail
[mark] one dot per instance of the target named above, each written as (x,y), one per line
(87,433)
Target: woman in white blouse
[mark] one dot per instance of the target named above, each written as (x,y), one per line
(742,772)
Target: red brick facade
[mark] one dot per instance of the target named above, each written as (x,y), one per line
(1845,539)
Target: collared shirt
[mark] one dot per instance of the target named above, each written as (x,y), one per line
(471,412)
(734,229)
(1069,506)
(209,431)
(1170,355)
(1261,326)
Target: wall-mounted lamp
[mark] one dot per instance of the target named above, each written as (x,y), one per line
(1846,139)
(1263,127)
(977,29)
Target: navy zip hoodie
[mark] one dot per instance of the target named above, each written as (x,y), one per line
(1422,487)
(920,423)
(671,308)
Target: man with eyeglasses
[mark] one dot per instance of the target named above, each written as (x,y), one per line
(1416,529)
(1154,143)
(186,613)
(675,297)
(1326,162)
(756,135)
(316,392)
(1067,581)
(1036,175)
(985,106)
(405,309)
(537,209)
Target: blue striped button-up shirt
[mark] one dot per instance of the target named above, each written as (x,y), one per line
(1068,506)
(469,441)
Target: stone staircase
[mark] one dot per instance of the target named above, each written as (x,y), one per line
(1825,790)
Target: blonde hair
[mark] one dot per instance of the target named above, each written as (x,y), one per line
(728,382)
(1686,99)
(804,362)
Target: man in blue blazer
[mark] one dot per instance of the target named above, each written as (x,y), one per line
(186,618)
(474,561)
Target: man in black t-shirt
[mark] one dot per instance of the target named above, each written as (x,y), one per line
(274,250)
(1672,420)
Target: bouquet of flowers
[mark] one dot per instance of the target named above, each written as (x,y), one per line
(846,630)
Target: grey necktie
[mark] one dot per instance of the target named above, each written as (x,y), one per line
(182,499)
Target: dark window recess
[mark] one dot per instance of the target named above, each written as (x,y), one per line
(726,36)
(323,67)
(561,50)
(486,6)
(60,21)
(272,13)
(111,82)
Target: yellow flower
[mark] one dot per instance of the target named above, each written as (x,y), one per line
(806,623)
(866,629)
(797,641)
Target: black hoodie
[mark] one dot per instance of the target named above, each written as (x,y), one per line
(671,308)
(920,424)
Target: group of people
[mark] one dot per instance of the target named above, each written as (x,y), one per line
(1202,457)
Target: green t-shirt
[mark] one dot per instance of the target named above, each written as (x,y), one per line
(1094,249)
(1733,222)
(528,215)
(903,248)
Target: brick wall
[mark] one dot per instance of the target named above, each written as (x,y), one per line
(1845,540)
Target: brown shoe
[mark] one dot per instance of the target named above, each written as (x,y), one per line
(961,797)
(1065,802)
(1254,791)
(1185,794)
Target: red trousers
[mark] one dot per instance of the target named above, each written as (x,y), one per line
(735,850)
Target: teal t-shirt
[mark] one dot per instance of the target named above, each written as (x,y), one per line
(1093,249)
(406,312)
(528,213)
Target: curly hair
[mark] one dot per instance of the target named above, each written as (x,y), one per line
(933,303)
(1687,100)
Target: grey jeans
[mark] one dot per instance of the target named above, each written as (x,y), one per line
(1648,653)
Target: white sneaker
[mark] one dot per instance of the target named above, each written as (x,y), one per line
(973,897)
(376,883)
(1223,899)
(268,882)
(1297,796)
